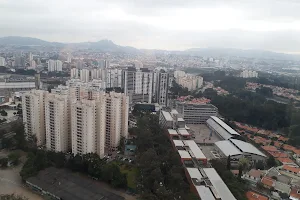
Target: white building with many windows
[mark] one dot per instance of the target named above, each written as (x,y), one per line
(57,121)
(54,66)
(34,115)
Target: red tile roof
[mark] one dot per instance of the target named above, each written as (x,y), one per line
(295,192)
(269,148)
(255,196)
(285,160)
(268,181)
(292,169)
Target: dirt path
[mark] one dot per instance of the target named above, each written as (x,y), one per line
(10,182)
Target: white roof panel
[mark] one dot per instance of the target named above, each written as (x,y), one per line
(167,116)
(221,131)
(225,126)
(218,184)
(247,147)
(172,132)
(180,119)
(178,143)
(184,154)
(183,131)
(205,193)
(198,154)
(173,111)
(194,173)
(228,148)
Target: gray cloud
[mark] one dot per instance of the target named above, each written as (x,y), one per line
(261,24)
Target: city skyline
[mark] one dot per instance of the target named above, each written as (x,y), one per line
(169,25)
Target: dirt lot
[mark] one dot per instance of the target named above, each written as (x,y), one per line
(10,181)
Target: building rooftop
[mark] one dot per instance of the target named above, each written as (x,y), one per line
(172,132)
(183,131)
(178,143)
(247,147)
(167,116)
(291,168)
(268,181)
(221,131)
(225,126)
(228,148)
(198,154)
(194,173)
(205,193)
(218,184)
(255,173)
(255,196)
(70,186)
(184,154)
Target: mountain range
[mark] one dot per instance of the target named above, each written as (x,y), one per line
(109,46)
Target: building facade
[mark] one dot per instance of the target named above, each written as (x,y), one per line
(34,115)
(57,121)
(196,113)
(54,66)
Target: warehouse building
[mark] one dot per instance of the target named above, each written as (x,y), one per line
(194,113)
(221,128)
(237,149)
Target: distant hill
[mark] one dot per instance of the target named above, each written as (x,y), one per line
(251,53)
(15,40)
(102,45)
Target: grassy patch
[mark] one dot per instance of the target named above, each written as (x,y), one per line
(131,175)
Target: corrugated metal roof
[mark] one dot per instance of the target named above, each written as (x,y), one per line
(218,184)
(198,154)
(194,173)
(225,126)
(221,131)
(247,147)
(178,143)
(167,116)
(183,131)
(228,148)
(172,132)
(184,154)
(205,193)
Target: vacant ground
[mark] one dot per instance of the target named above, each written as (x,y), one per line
(10,181)
(203,134)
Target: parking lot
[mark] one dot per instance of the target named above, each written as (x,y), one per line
(202,134)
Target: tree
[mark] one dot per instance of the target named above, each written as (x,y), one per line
(3,113)
(240,171)
(260,165)
(3,162)
(14,157)
(271,162)
(228,163)
(11,197)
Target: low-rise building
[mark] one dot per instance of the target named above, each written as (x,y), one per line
(194,113)
(219,127)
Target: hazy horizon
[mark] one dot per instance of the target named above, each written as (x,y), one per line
(271,25)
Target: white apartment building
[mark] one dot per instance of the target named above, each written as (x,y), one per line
(178,74)
(85,75)
(162,88)
(74,73)
(117,105)
(99,123)
(249,74)
(138,84)
(57,121)
(2,61)
(34,115)
(54,65)
(190,82)
(113,78)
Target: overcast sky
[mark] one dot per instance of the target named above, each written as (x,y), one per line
(160,24)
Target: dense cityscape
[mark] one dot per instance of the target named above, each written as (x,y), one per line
(149,100)
(148,126)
